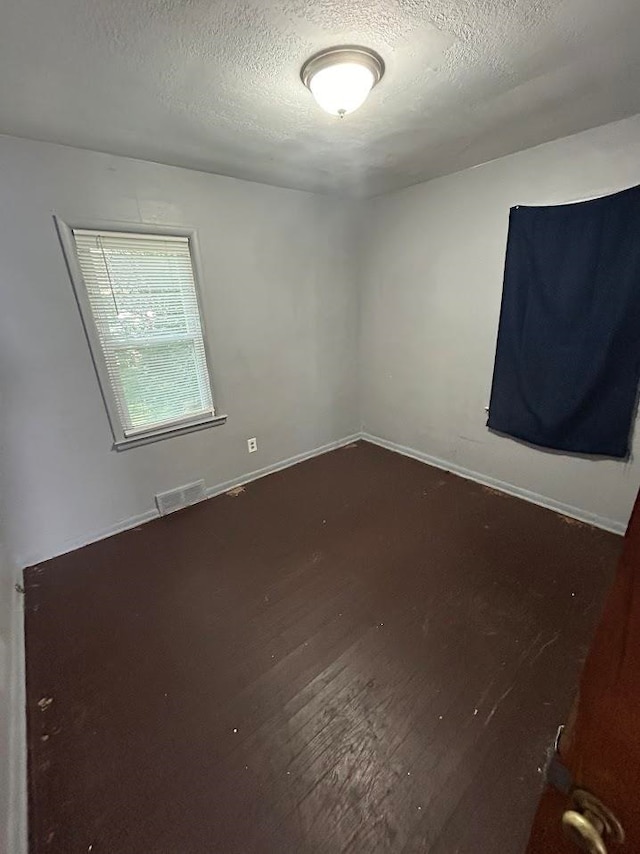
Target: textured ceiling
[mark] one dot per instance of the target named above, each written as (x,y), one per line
(214,84)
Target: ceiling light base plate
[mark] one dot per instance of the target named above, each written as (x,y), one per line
(347,53)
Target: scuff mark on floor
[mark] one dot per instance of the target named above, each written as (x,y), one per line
(574,523)
(236,491)
(543,647)
(491,491)
(484,694)
(495,708)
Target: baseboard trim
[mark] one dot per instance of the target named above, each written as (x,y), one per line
(502,486)
(149,515)
(603,522)
(77,543)
(283,464)
(16,829)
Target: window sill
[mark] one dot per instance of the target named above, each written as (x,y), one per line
(168,433)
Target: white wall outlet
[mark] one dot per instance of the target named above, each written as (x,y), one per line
(252,445)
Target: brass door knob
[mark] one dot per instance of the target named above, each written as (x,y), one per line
(590,823)
(580,830)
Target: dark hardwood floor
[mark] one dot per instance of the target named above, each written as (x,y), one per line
(358,654)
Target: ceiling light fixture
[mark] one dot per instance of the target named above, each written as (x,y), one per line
(341,78)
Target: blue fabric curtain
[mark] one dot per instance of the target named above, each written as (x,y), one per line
(567,362)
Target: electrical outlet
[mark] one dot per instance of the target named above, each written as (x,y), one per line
(252,445)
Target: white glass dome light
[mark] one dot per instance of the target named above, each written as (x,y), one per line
(341,78)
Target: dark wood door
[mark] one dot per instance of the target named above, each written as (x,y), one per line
(601,744)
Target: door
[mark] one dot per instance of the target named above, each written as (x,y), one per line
(600,747)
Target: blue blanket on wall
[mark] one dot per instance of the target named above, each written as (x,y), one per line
(567,361)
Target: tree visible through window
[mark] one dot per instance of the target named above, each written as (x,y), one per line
(142,297)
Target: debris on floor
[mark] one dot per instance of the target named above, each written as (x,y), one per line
(236,491)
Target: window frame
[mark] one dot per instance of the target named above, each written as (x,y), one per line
(121,442)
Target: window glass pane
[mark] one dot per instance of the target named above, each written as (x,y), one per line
(159,383)
(143,299)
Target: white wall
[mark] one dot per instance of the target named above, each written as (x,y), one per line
(280,302)
(431,280)
(13,807)
(284,312)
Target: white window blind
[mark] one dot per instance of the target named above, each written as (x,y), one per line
(142,295)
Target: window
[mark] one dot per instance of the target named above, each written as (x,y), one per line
(138,299)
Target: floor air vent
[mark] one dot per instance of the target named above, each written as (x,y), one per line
(183,496)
